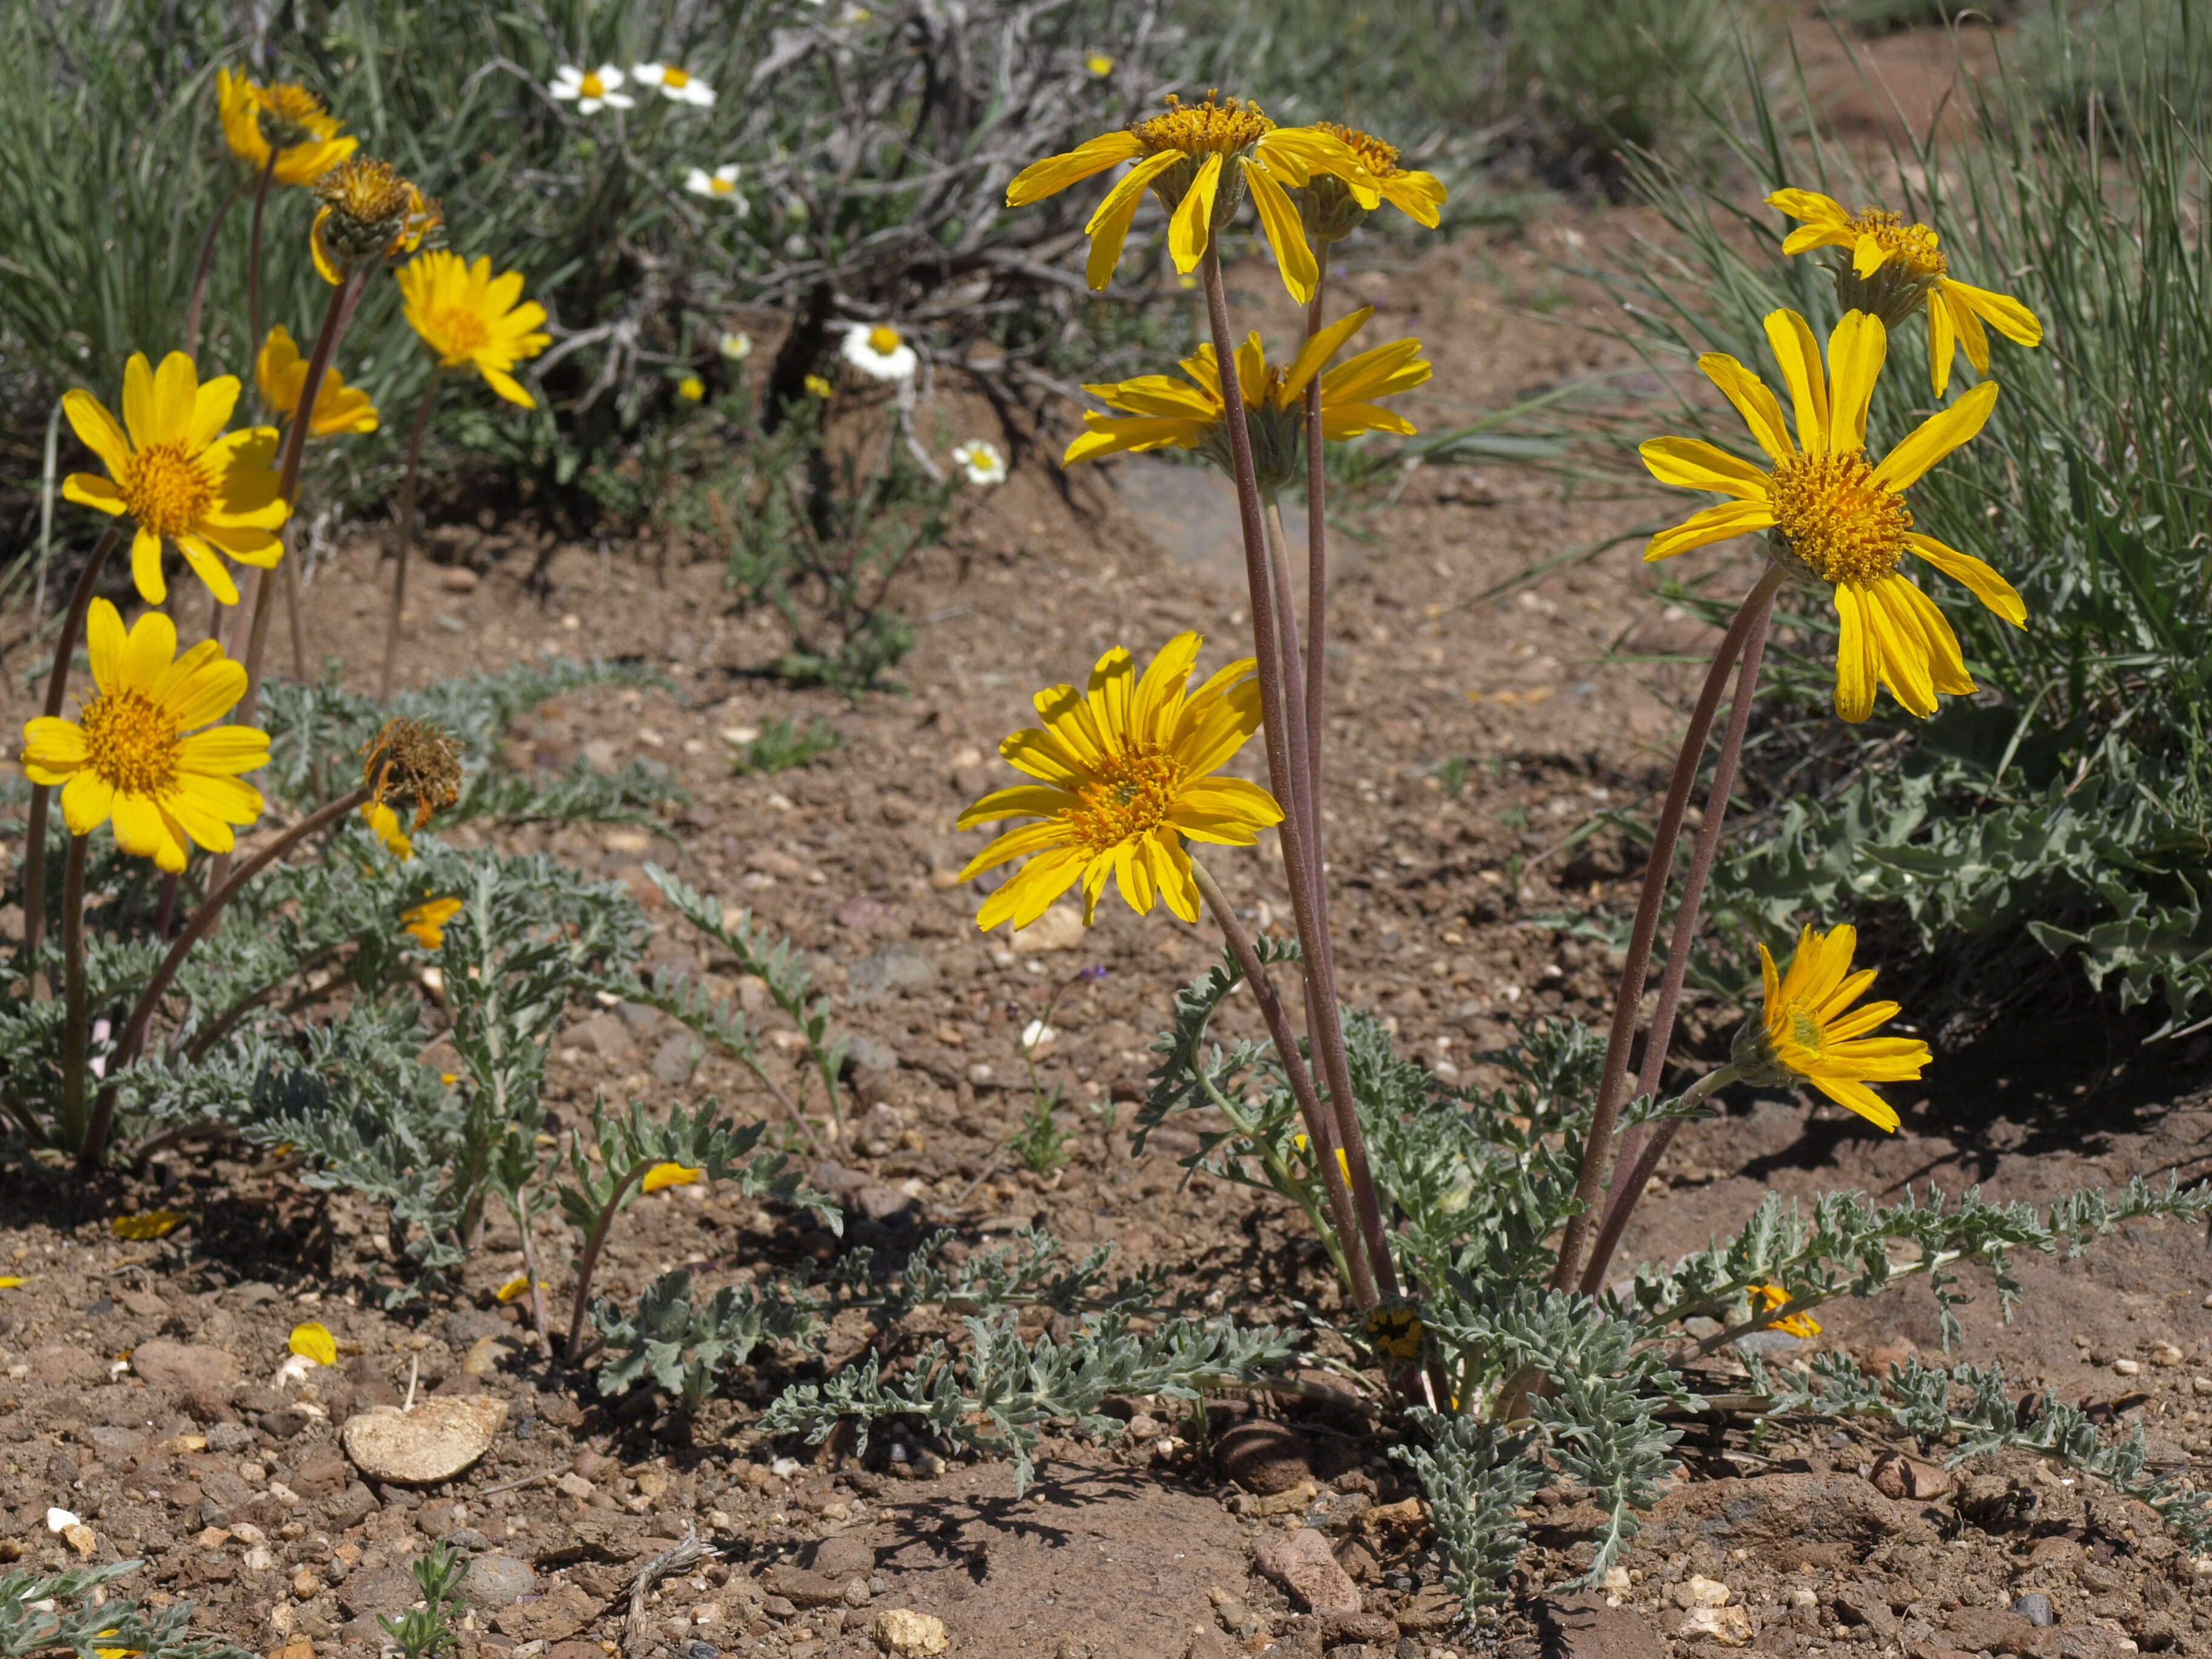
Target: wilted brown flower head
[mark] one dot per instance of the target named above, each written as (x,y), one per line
(367,206)
(411,762)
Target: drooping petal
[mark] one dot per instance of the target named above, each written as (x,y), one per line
(1810,205)
(1710,525)
(1844,1091)
(1191,228)
(1901,645)
(1108,436)
(1109,225)
(1029,894)
(1942,339)
(2000,311)
(1937,437)
(1991,589)
(1420,196)
(146,568)
(1285,232)
(1856,665)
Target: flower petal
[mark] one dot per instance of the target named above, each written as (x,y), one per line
(2000,311)
(1710,525)
(1991,589)
(1693,464)
(87,800)
(1799,352)
(1109,225)
(1937,437)
(1855,352)
(1761,412)
(1285,232)
(1056,172)
(1856,664)
(105,643)
(1191,228)
(96,428)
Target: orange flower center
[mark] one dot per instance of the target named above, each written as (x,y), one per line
(164,490)
(882,339)
(461,330)
(1841,524)
(1911,246)
(1377,157)
(131,742)
(1129,794)
(593,86)
(1228,128)
(675,78)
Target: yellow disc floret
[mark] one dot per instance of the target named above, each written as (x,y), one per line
(165,491)
(1228,127)
(882,339)
(1130,793)
(1840,524)
(131,742)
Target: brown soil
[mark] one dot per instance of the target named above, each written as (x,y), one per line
(234,1492)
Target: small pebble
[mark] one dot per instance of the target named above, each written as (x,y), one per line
(2035,1608)
(702,1650)
(2126,1368)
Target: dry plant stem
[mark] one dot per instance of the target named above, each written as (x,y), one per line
(1633,1171)
(287,485)
(1613,1081)
(34,841)
(76,1010)
(206,262)
(1285,770)
(203,919)
(1320,1128)
(1625,1188)
(294,621)
(406,537)
(253,255)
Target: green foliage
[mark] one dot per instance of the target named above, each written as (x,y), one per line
(1040,1143)
(2066,803)
(1477,1479)
(1973,1405)
(2116,61)
(996,1394)
(423,1632)
(683,1347)
(784,746)
(43,1613)
(1025,1271)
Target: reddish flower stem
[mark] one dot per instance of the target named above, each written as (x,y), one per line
(406,537)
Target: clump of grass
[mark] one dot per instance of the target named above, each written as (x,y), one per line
(784,745)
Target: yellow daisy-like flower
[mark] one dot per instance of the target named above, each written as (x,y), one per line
(1165,413)
(1895,269)
(1808,1032)
(470,318)
(1332,211)
(132,754)
(177,476)
(1126,774)
(1396,1330)
(383,823)
(1835,515)
(368,212)
(1200,159)
(305,133)
(1766,1298)
(281,373)
(426,921)
(691,388)
(661,1176)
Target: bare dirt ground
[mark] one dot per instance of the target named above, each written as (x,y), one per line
(138,1379)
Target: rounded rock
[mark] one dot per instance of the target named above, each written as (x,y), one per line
(906,1634)
(435,1441)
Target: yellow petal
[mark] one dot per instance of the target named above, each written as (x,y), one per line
(138,417)
(1761,412)
(1799,352)
(89,419)
(1855,662)
(314,1341)
(1285,234)
(1191,229)
(1713,523)
(2000,311)
(515,1288)
(1693,464)
(1984,583)
(1109,225)
(153,1224)
(1855,352)
(105,643)
(1937,437)
(1810,206)
(176,396)
(1056,172)
(663,1176)
(1942,340)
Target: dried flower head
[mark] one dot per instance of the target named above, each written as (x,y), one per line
(412,762)
(1331,209)
(369,212)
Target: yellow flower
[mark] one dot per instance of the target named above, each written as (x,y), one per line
(314,1341)
(385,823)
(1835,515)
(818,387)
(177,476)
(1170,414)
(1127,772)
(516,1287)
(1343,1158)
(1395,1332)
(661,1175)
(1895,269)
(127,756)
(153,1224)
(368,212)
(471,319)
(1807,1032)
(1200,159)
(1099,65)
(281,373)
(306,136)
(427,920)
(1331,209)
(1768,1297)
(691,388)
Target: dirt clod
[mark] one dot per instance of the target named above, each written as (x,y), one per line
(1301,1563)
(1264,1457)
(434,1442)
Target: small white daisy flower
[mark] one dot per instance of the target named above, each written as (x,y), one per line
(722,185)
(591,89)
(678,85)
(980,460)
(735,346)
(879,352)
